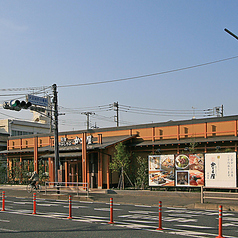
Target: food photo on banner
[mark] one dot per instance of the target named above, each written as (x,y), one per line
(161,170)
(221,170)
(189,170)
(179,170)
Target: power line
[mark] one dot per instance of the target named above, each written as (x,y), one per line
(43,88)
(147,75)
(158,109)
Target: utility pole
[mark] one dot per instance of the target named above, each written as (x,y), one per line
(116,108)
(88,114)
(216,111)
(222,110)
(56,138)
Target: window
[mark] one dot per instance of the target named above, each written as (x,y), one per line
(185,132)
(214,129)
(26,143)
(40,143)
(20,133)
(161,134)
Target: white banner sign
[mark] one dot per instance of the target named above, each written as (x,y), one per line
(220,170)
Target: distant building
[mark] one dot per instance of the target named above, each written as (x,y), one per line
(15,127)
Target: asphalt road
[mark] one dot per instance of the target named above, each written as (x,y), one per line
(90,219)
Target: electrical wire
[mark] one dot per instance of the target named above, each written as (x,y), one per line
(122,79)
(147,75)
(41,88)
(138,110)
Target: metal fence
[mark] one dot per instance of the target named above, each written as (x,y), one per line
(219,193)
(67,187)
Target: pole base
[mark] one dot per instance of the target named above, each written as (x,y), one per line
(69,217)
(159,229)
(111,222)
(220,236)
(3,210)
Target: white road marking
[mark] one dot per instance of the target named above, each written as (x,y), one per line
(191,212)
(43,205)
(106,209)
(179,219)
(58,202)
(4,221)
(22,203)
(229,224)
(183,215)
(8,230)
(193,226)
(190,233)
(230,219)
(76,207)
(140,221)
(97,217)
(114,204)
(134,226)
(141,212)
(141,206)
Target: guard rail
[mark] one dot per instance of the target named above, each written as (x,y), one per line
(67,187)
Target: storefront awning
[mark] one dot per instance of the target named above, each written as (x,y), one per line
(62,155)
(71,151)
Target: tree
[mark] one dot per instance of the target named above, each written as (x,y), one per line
(192,147)
(3,171)
(142,180)
(120,163)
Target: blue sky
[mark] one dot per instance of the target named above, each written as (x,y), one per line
(78,42)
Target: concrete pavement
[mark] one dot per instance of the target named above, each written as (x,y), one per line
(191,200)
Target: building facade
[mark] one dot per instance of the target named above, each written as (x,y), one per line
(85,155)
(19,127)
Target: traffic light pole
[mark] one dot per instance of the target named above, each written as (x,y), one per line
(56,138)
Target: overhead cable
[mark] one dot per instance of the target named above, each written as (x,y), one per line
(147,75)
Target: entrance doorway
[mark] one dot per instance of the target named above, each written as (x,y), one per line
(93,169)
(75,171)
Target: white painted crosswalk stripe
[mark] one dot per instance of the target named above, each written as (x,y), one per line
(194,226)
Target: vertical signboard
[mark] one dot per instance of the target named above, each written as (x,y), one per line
(220,169)
(161,170)
(189,170)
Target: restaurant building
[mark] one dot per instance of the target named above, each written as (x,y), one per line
(85,155)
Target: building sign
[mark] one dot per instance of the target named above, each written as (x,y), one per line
(220,170)
(40,101)
(161,170)
(68,142)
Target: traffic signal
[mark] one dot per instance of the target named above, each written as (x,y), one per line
(16,105)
